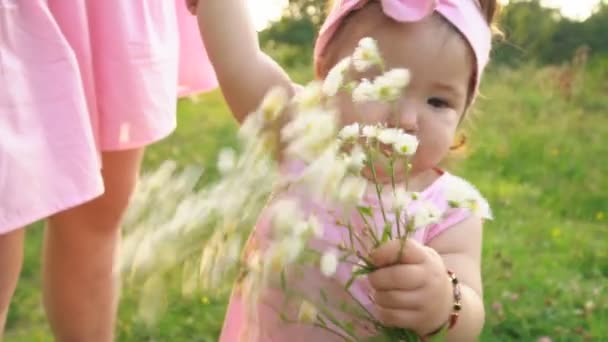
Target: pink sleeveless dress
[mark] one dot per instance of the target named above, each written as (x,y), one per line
(79,77)
(268,324)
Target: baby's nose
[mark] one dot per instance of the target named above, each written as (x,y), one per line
(407,119)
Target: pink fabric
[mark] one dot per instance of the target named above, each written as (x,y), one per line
(78,77)
(196,73)
(271,328)
(465,15)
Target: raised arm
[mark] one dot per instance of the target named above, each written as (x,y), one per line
(244,72)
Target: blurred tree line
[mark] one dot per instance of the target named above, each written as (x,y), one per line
(532,33)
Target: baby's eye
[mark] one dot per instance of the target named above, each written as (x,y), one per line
(438,102)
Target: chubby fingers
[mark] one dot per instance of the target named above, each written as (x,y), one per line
(398,277)
(399,251)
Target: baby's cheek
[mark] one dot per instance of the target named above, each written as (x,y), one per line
(432,151)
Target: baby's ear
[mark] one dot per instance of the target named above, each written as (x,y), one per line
(321,67)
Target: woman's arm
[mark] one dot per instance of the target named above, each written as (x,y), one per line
(244,72)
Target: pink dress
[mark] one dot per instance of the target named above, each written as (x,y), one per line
(270,327)
(79,77)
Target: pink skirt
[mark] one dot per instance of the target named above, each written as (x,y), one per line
(79,77)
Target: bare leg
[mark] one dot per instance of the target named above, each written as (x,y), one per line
(80,284)
(11,258)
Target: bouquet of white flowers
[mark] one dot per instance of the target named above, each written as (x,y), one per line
(203,232)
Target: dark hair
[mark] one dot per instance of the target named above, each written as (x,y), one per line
(491,10)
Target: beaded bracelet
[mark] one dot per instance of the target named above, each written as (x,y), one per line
(456,307)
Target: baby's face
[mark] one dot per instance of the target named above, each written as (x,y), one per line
(431,106)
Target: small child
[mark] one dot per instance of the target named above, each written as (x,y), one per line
(445,44)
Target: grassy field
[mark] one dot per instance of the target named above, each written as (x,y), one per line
(535,149)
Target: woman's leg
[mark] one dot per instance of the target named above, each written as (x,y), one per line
(80,282)
(11,258)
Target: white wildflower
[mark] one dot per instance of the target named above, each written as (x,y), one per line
(426,214)
(389,136)
(207,268)
(480,207)
(254,262)
(301,228)
(310,96)
(352,190)
(350,132)
(461,194)
(405,144)
(390,86)
(285,214)
(308,227)
(365,91)
(226,160)
(233,250)
(371,131)
(317,124)
(251,128)
(281,254)
(273,103)
(335,78)
(334,174)
(309,134)
(366,54)
(394,78)
(143,256)
(356,160)
(153,301)
(307,313)
(323,176)
(315,226)
(401,199)
(252,287)
(292,247)
(329,263)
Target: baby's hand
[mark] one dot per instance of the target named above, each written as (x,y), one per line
(413,292)
(191,5)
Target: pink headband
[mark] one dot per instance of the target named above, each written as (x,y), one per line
(465,15)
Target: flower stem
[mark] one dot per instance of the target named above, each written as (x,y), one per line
(407,173)
(377,185)
(392,170)
(349,226)
(335,332)
(371,229)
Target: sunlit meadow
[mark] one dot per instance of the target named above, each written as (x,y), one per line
(534,147)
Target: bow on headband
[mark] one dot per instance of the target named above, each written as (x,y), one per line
(465,15)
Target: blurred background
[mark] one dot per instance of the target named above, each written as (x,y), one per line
(535,148)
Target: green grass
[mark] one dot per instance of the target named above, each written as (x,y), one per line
(537,157)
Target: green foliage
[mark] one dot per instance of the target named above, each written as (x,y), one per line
(538,33)
(528,29)
(299,33)
(299,25)
(313,10)
(532,32)
(544,268)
